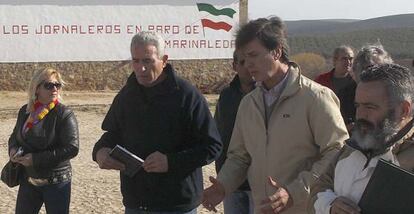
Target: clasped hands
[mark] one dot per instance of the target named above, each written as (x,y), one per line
(25,160)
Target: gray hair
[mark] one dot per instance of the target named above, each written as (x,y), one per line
(341,49)
(149,38)
(369,55)
(398,80)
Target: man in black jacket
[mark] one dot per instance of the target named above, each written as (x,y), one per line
(164,120)
(240,201)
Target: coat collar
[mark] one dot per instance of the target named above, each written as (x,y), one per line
(235,83)
(167,86)
(294,83)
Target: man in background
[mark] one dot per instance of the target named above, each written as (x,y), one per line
(240,201)
(340,81)
(369,55)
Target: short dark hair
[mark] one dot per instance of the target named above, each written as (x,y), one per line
(270,32)
(235,57)
(398,80)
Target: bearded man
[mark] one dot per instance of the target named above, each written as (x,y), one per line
(383,129)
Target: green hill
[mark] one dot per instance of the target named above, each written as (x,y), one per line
(398,41)
(327,26)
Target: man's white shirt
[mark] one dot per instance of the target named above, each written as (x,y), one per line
(350,179)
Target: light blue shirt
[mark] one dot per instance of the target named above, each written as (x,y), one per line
(273,94)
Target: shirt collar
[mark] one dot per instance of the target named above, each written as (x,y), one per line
(276,89)
(273,94)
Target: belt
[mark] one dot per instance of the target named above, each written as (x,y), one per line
(60,178)
(37,181)
(143,208)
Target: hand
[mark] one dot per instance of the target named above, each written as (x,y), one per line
(107,162)
(156,162)
(213,195)
(25,160)
(342,205)
(11,155)
(277,202)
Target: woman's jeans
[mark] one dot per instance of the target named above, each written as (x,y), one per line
(31,198)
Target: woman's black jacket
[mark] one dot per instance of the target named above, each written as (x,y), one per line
(52,142)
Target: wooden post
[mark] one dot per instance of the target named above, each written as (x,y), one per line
(243,15)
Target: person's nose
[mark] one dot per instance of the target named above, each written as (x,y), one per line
(54,87)
(360,113)
(139,67)
(248,63)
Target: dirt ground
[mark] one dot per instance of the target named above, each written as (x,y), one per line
(93,190)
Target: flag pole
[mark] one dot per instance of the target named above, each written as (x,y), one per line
(202,24)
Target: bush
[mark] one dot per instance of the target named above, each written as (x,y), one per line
(311,64)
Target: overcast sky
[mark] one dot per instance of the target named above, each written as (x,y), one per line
(328,9)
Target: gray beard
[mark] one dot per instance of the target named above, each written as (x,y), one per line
(375,140)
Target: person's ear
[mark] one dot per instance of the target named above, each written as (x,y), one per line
(334,59)
(405,107)
(234,65)
(37,90)
(276,53)
(164,60)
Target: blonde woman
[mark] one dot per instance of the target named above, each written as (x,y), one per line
(47,133)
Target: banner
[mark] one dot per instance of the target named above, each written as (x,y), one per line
(74,30)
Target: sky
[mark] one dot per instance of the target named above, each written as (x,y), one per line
(290,10)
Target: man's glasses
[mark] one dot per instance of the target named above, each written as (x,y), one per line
(51,85)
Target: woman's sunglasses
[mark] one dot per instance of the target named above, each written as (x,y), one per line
(51,85)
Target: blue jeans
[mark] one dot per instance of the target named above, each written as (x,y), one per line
(31,198)
(239,202)
(138,211)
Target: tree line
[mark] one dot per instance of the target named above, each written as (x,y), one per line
(399,42)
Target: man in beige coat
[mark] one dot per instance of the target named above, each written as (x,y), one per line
(286,131)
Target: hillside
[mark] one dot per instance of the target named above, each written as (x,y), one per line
(396,33)
(399,42)
(323,27)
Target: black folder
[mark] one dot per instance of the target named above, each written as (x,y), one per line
(389,191)
(132,162)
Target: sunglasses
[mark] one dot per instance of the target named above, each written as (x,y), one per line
(51,85)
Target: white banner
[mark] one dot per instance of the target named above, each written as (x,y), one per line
(87,30)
